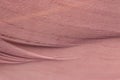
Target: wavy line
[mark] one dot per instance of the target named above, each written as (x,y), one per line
(13,50)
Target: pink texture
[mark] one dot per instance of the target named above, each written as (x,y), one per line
(59,40)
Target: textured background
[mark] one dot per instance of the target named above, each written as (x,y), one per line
(41,26)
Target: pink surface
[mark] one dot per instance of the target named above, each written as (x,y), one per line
(61,40)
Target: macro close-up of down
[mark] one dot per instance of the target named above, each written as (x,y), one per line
(59,39)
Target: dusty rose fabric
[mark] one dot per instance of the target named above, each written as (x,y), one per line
(59,40)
